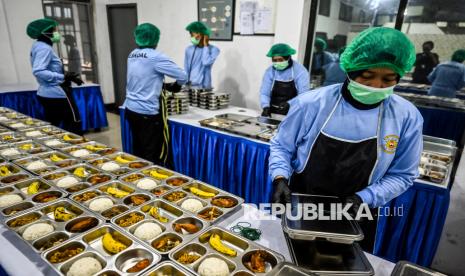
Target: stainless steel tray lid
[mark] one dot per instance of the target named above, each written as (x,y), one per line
(341,231)
(289,269)
(404,268)
(327,258)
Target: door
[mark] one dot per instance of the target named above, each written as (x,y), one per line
(122,20)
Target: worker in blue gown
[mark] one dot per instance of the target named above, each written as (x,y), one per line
(282,81)
(357,140)
(449,77)
(59,107)
(200,56)
(321,57)
(146,70)
(333,71)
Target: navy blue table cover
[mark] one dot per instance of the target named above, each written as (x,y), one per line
(88,100)
(240,166)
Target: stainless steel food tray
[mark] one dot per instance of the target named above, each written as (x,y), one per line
(167,268)
(29,200)
(207,202)
(289,269)
(9,137)
(63,229)
(165,180)
(172,213)
(328,258)
(24,149)
(125,167)
(16,174)
(244,248)
(404,268)
(234,117)
(112,264)
(338,231)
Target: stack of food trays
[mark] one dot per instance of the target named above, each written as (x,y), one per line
(405,268)
(178,103)
(218,250)
(214,100)
(8,137)
(11,174)
(155,180)
(103,251)
(437,160)
(194,95)
(161,225)
(76,178)
(47,162)
(21,196)
(119,163)
(111,199)
(21,149)
(49,225)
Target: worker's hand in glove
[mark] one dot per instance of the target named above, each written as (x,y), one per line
(282,193)
(266,112)
(355,201)
(172,87)
(73,77)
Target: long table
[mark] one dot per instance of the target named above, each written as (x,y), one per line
(240,166)
(17,258)
(88,97)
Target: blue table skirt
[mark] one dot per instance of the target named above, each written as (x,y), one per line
(240,166)
(88,99)
(443,123)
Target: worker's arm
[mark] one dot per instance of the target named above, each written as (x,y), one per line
(302,80)
(265,89)
(40,62)
(187,60)
(209,55)
(432,75)
(403,169)
(285,143)
(167,67)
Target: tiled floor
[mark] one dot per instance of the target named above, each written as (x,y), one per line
(109,136)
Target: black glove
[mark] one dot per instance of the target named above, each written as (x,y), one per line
(266,112)
(284,107)
(172,87)
(282,193)
(73,77)
(356,201)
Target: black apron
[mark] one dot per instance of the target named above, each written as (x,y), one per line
(282,92)
(337,167)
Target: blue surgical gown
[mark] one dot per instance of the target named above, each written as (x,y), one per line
(446,79)
(48,70)
(400,125)
(296,72)
(198,62)
(321,59)
(334,73)
(147,68)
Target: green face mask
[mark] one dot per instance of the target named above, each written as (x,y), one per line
(281,65)
(367,94)
(55,37)
(195,41)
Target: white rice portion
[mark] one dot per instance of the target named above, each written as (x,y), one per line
(100,204)
(37,230)
(192,204)
(9,152)
(213,267)
(147,184)
(147,231)
(110,166)
(7,200)
(67,181)
(86,266)
(36,165)
(80,153)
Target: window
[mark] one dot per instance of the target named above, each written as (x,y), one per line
(325,7)
(75,47)
(345,12)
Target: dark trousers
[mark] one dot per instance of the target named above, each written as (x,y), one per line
(147,135)
(58,113)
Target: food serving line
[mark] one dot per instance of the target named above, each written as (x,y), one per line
(68,205)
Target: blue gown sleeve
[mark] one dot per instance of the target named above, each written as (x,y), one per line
(403,169)
(209,55)
(291,132)
(187,59)
(40,62)
(302,80)
(432,75)
(265,89)
(167,67)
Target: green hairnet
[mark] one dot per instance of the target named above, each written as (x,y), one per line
(198,27)
(379,47)
(280,49)
(37,27)
(146,35)
(459,55)
(321,43)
